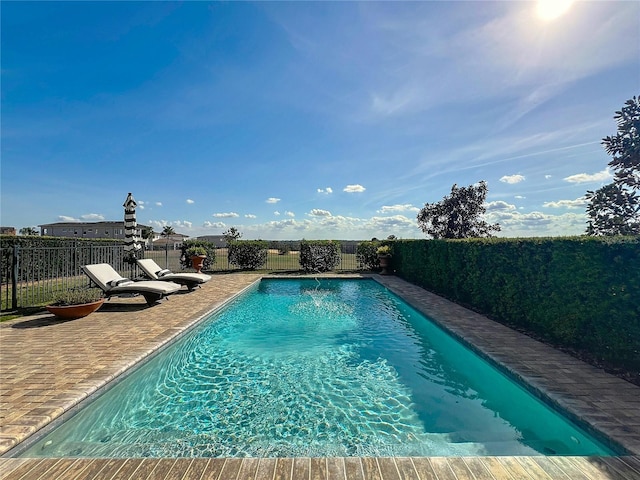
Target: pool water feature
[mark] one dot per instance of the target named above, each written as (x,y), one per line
(314,368)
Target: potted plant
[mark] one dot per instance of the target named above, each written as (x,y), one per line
(197,255)
(384,257)
(76,303)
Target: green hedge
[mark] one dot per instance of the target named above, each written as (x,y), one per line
(578,292)
(8,241)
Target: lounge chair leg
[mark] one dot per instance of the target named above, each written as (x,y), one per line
(152,298)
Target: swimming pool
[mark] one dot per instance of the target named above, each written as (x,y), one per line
(316,368)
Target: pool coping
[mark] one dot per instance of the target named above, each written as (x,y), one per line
(606,403)
(582,392)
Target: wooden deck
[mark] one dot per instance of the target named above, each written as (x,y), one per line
(432,468)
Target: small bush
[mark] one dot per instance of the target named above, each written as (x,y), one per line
(319,255)
(248,254)
(196,251)
(77,296)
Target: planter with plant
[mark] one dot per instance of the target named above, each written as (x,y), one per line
(76,303)
(197,255)
(384,258)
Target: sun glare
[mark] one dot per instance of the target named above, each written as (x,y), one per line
(551,9)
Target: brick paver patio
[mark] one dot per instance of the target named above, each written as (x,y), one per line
(47,367)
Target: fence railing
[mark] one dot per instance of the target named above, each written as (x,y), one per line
(33,276)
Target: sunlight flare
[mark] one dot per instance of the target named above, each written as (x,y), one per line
(549,10)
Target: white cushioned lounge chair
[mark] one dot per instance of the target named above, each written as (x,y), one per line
(114,284)
(152,270)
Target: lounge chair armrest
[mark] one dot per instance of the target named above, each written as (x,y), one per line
(163,272)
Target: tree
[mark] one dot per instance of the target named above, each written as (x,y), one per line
(231,235)
(167,231)
(624,147)
(458,214)
(146,232)
(28,231)
(615,208)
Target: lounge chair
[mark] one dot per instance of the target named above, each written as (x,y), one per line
(113,284)
(152,270)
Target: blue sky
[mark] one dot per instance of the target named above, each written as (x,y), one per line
(290,120)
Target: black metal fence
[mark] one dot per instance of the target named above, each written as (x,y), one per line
(33,276)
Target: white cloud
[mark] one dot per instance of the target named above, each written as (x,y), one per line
(65,218)
(499,206)
(272,200)
(407,207)
(384,224)
(183,224)
(93,217)
(158,204)
(577,203)
(316,212)
(326,191)
(536,224)
(290,214)
(548,176)
(519,197)
(225,215)
(354,188)
(208,224)
(602,176)
(511,179)
(250,215)
(190,202)
(276,213)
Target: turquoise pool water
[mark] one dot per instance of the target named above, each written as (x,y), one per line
(316,368)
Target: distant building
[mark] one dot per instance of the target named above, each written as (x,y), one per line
(88,230)
(8,231)
(218,240)
(172,242)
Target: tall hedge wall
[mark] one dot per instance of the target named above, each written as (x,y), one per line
(580,292)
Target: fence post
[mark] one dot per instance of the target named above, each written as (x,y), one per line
(166,255)
(14,277)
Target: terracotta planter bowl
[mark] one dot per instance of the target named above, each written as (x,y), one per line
(197,261)
(70,312)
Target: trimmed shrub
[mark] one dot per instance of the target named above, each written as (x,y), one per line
(319,255)
(248,254)
(577,292)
